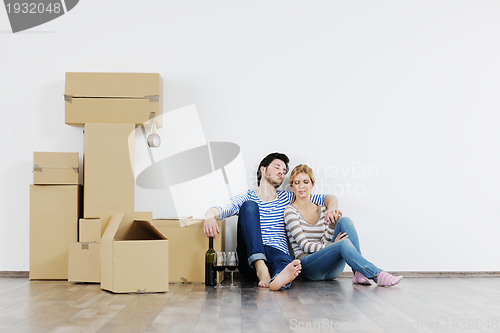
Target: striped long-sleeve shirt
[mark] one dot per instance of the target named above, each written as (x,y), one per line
(272,225)
(305,237)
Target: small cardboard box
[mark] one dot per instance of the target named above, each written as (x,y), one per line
(125,98)
(187,247)
(134,254)
(108,160)
(89,230)
(84,262)
(55,168)
(54,213)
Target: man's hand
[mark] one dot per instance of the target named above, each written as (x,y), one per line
(210,226)
(332,216)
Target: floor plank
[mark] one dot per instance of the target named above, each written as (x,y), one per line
(422,305)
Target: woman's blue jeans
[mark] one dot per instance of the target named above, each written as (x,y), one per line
(250,246)
(329,262)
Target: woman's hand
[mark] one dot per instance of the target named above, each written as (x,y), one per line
(341,236)
(332,216)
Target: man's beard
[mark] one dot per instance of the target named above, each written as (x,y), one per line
(272,182)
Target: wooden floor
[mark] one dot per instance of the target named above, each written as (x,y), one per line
(415,305)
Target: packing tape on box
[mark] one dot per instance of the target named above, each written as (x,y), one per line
(38,168)
(151,98)
(183,220)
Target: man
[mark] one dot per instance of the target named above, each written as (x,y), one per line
(261,236)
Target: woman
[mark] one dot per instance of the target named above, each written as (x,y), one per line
(323,248)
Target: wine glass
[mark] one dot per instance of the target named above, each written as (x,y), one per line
(220,266)
(232,264)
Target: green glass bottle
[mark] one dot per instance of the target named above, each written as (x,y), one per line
(210,276)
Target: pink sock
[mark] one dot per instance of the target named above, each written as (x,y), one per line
(385,279)
(360,279)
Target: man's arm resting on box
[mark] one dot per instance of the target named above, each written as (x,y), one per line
(210,226)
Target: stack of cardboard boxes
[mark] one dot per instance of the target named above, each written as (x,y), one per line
(125,251)
(110,106)
(54,211)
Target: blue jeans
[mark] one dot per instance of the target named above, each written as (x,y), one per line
(250,246)
(329,262)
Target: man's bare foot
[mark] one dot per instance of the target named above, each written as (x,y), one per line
(287,275)
(262,273)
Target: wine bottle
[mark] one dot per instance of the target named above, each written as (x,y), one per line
(210,276)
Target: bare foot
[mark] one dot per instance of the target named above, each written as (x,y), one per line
(262,273)
(287,275)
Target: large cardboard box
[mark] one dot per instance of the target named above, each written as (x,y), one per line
(54,213)
(187,247)
(84,262)
(55,168)
(89,230)
(134,254)
(125,98)
(108,161)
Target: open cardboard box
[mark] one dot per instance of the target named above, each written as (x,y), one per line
(134,254)
(126,98)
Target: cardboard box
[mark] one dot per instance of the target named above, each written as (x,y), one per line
(54,213)
(187,247)
(134,254)
(55,168)
(84,262)
(108,160)
(125,98)
(89,230)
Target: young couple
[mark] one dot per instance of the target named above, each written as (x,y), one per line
(322,240)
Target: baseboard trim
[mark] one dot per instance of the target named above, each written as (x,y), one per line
(15,274)
(435,274)
(412,274)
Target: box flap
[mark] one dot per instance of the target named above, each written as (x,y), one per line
(128,218)
(102,85)
(112,227)
(142,230)
(107,251)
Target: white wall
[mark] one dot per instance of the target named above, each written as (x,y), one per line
(407,91)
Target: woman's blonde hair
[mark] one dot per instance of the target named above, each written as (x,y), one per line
(301,168)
